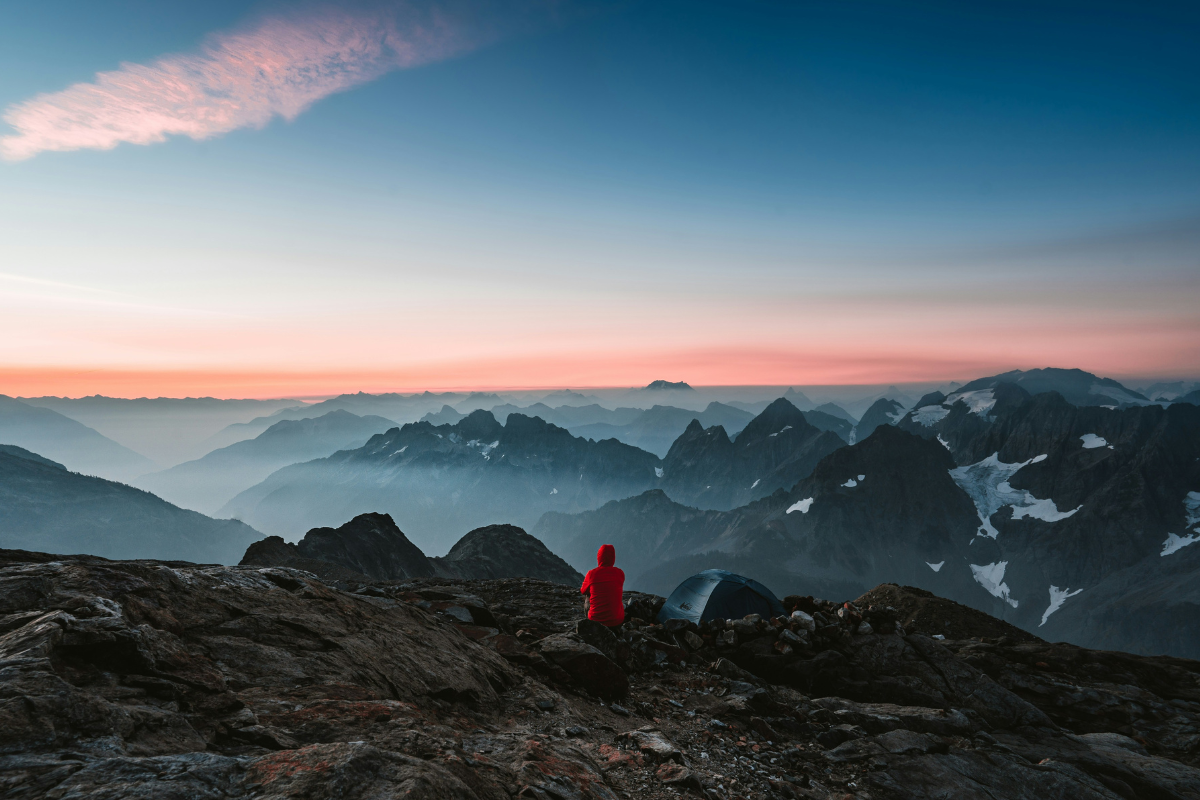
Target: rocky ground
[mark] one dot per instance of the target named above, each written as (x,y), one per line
(143,679)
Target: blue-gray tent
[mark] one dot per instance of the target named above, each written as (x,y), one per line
(716,593)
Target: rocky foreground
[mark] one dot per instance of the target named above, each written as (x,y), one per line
(143,679)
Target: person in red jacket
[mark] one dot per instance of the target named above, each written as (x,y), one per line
(603,586)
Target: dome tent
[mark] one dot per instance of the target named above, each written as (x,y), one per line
(716,593)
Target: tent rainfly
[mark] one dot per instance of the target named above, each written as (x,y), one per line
(716,593)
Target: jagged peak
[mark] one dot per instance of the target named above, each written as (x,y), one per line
(773,419)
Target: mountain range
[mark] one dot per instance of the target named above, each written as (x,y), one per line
(656,428)
(45,506)
(708,469)
(208,483)
(1063,502)
(167,430)
(62,439)
(1072,521)
(440,480)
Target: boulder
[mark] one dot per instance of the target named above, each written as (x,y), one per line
(588,666)
(654,745)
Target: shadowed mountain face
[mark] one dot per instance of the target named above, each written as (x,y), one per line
(370,544)
(1075,522)
(45,507)
(371,547)
(72,443)
(209,482)
(828,422)
(705,468)
(883,411)
(834,410)
(438,481)
(1190,397)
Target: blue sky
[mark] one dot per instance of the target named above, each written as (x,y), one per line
(798,186)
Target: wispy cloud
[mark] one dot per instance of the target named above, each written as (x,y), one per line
(277,67)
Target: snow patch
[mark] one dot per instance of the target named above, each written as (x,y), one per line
(930,415)
(802,506)
(658,473)
(943,442)
(895,416)
(979,402)
(1057,598)
(757,481)
(1091,441)
(1045,510)
(991,578)
(554,491)
(850,483)
(1191,506)
(935,567)
(1175,542)
(398,452)
(986,482)
(781,430)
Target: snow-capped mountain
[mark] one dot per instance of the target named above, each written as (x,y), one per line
(1077,523)
(708,469)
(1076,386)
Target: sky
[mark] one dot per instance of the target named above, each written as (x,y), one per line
(292,199)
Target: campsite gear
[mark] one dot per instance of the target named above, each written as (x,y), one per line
(604,586)
(718,594)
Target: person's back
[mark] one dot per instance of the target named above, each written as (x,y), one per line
(604,586)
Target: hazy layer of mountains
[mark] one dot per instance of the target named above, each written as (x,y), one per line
(438,480)
(166,430)
(62,439)
(45,507)
(208,483)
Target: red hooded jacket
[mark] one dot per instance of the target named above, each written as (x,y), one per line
(604,586)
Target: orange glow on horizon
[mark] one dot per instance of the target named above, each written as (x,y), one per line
(698,368)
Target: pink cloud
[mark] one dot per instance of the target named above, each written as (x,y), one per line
(279,67)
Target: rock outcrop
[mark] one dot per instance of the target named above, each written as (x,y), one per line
(504,551)
(168,680)
(371,547)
